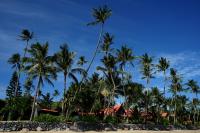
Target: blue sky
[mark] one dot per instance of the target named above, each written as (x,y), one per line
(169,28)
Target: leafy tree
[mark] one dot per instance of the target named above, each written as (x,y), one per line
(12,96)
(15,61)
(10,91)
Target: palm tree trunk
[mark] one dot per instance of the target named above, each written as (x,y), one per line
(125,97)
(25,50)
(146,100)
(64,95)
(94,55)
(175,109)
(112,92)
(35,100)
(164,83)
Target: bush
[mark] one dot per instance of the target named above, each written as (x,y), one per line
(165,122)
(111,119)
(49,118)
(73,119)
(89,118)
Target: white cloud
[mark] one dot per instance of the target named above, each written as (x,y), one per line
(187,63)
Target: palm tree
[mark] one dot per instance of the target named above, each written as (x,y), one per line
(100,15)
(124,55)
(107,42)
(157,100)
(26,35)
(194,88)
(110,72)
(175,88)
(39,67)
(28,86)
(81,61)
(162,66)
(147,68)
(64,60)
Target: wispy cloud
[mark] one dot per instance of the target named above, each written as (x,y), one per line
(187,63)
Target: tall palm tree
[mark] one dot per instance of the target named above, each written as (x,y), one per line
(147,68)
(175,88)
(26,35)
(15,61)
(110,71)
(147,72)
(163,65)
(39,67)
(100,15)
(64,60)
(124,55)
(194,88)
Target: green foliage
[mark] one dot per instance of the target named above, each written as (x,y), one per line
(49,118)
(14,88)
(90,118)
(111,119)
(164,122)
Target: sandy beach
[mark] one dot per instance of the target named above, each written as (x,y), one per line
(119,131)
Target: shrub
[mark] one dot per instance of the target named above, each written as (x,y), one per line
(111,119)
(89,118)
(49,118)
(165,122)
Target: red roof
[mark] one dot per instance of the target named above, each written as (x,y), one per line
(49,110)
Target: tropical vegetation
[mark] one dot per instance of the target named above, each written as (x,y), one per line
(91,93)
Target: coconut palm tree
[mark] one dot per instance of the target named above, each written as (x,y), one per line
(163,65)
(107,42)
(39,67)
(157,101)
(100,15)
(124,56)
(147,72)
(28,86)
(194,88)
(26,35)
(81,61)
(110,71)
(175,88)
(64,61)
(147,68)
